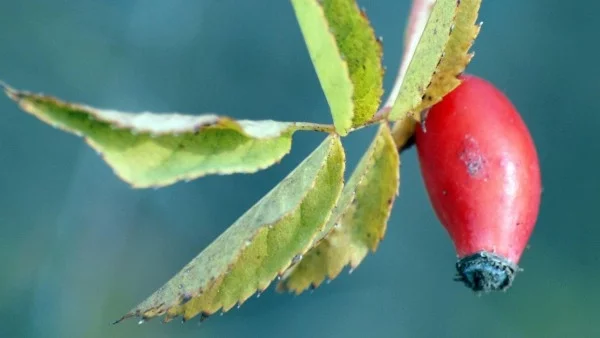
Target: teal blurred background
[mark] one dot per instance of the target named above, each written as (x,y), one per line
(79,248)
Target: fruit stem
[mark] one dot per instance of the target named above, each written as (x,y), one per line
(403,133)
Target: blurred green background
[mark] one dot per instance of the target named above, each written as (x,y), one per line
(79,248)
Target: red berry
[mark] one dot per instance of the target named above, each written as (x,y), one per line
(482,175)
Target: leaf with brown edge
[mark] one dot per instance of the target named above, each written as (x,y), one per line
(359,220)
(259,246)
(420,62)
(154,150)
(347,58)
(456,55)
(455,59)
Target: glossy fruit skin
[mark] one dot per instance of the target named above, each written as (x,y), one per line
(482,174)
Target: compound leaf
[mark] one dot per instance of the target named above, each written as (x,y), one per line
(153,150)
(347,58)
(359,220)
(259,246)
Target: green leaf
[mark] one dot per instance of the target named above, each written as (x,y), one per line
(346,56)
(455,59)
(456,54)
(259,246)
(153,150)
(417,19)
(359,220)
(418,67)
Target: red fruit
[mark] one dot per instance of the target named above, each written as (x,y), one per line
(482,175)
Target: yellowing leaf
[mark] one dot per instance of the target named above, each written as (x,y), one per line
(417,68)
(456,55)
(346,56)
(455,59)
(359,220)
(259,246)
(153,150)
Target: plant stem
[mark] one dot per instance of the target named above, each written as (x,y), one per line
(403,133)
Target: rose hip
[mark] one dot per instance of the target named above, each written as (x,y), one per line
(482,175)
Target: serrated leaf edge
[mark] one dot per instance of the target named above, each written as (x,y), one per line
(23,98)
(281,287)
(161,309)
(469,56)
(342,126)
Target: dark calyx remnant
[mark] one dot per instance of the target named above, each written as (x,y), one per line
(485,272)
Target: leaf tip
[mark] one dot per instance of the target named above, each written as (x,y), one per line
(12,93)
(126,316)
